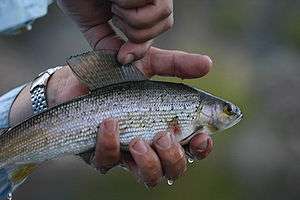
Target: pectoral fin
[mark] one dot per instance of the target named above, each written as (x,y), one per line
(12,176)
(97,69)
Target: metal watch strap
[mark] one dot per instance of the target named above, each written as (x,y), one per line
(38,90)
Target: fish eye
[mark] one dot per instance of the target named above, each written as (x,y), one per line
(228,110)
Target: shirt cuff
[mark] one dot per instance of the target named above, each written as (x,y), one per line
(16,15)
(6,102)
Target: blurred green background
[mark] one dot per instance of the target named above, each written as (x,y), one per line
(255,46)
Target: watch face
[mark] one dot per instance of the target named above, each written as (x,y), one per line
(42,79)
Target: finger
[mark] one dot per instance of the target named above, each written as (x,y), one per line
(102,37)
(171,154)
(201,145)
(147,162)
(144,17)
(174,63)
(132,3)
(92,17)
(128,163)
(130,52)
(143,35)
(107,153)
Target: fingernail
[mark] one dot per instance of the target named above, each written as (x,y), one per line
(128,59)
(164,141)
(109,125)
(140,147)
(209,60)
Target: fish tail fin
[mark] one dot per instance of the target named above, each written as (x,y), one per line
(12,176)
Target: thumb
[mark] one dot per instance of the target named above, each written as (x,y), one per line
(130,51)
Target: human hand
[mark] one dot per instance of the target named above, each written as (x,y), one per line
(139,20)
(149,162)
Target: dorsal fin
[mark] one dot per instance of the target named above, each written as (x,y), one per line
(100,68)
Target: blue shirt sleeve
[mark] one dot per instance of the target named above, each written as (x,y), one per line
(6,102)
(16,15)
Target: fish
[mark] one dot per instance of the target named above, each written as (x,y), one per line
(142,106)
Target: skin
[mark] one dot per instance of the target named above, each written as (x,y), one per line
(140,21)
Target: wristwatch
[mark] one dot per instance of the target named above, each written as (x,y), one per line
(38,90)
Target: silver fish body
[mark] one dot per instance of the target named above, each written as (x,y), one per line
(142,107)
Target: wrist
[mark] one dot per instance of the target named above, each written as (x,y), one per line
(64,86)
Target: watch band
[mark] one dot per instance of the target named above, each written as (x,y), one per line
(38,90)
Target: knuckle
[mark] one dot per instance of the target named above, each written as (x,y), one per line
(169,24)
(176,170)
(196,148)
(107,160)
(202,155)
(140,23)
(166,11)
(175,163)
(139,37)
(103,164)
(152,178)
(150,164)
(110,146)
(152,181)
(174,155)
(177,158)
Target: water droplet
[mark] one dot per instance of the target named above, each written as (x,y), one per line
(9,196)
(28,27)
(170,182)
(190,160)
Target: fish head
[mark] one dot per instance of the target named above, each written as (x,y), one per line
(214,114)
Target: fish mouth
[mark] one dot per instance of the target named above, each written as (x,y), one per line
(233,123)
(237,120)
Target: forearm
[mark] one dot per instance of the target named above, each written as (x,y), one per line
(62,86)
